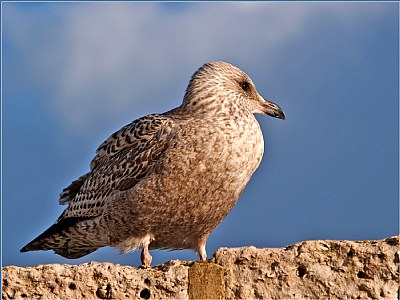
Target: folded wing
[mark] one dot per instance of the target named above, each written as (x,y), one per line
(121,161)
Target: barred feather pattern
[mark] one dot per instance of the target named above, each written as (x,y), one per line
(120,162)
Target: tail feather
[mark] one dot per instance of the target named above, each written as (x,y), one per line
(70,238)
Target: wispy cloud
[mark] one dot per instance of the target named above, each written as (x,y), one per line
(119,60)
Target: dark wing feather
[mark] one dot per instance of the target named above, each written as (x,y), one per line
(54,229)
(70,192)
(120,163)
(133,136)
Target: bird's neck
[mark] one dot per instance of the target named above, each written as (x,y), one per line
(208,104)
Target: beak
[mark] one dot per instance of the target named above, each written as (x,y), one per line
(270,108)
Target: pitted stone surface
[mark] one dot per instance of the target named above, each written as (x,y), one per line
(306,270)
(96,281)
(313,270)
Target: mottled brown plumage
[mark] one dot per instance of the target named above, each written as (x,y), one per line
(167,180)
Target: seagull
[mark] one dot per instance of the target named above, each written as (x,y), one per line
(166,181)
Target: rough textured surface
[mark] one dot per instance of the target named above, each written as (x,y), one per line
(96,281)
(312,269)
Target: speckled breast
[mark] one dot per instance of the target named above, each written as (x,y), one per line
(202,177)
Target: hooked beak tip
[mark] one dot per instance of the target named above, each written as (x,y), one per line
(280,114)
(272,109)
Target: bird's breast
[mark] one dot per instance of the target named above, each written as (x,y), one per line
(213,160)
(198,180)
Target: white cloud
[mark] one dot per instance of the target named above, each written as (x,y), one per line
(114,61)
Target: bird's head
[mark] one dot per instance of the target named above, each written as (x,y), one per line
(222,87)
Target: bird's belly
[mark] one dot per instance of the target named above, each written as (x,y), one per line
(195,195)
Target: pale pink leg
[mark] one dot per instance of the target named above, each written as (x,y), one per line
(201,248)
(146,257)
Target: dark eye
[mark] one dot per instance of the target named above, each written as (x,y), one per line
(245,86)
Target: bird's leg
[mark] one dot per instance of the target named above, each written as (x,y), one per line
(145,256)
(201,247)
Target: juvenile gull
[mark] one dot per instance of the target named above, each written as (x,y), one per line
(167,180)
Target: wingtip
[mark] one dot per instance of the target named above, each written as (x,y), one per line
(24,249)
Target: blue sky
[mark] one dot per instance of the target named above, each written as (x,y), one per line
(73,73)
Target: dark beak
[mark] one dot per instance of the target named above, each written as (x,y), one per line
(271,109)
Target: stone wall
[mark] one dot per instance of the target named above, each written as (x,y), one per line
(312,269)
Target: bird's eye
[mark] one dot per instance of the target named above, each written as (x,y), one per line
(245,86)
